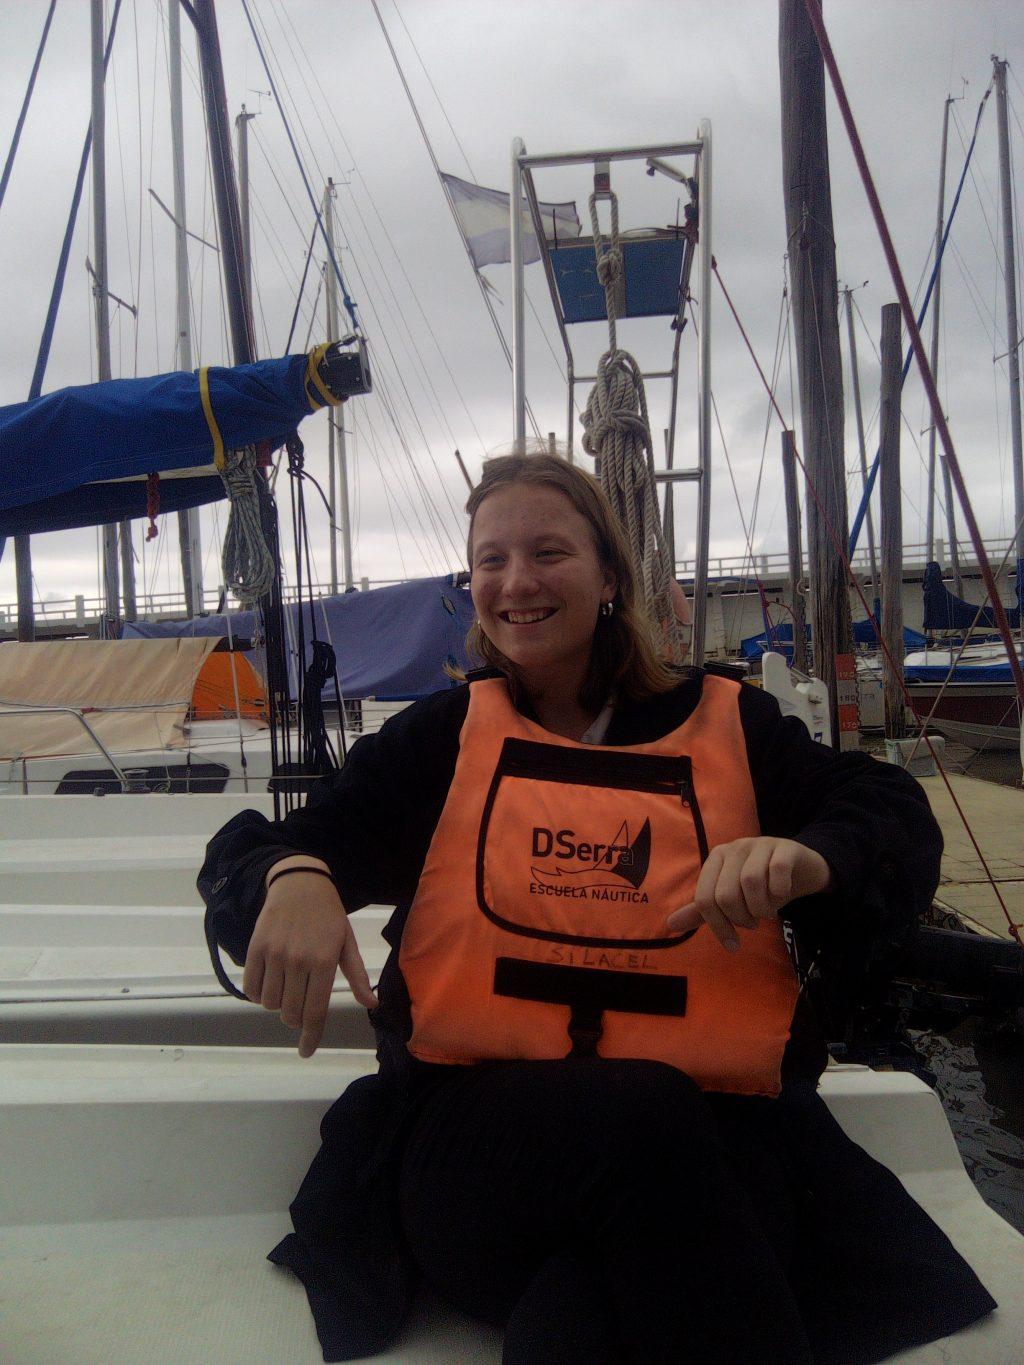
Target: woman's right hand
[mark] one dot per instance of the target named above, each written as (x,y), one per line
(301,937)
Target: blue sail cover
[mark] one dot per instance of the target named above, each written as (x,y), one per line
(391,643)
(81,440)
(782,639)
(943,610)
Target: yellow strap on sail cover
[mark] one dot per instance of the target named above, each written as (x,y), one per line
(313,380)
(211,421)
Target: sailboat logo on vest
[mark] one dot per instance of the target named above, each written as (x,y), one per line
(591,869)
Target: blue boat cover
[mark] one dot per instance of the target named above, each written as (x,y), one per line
(392,643)
(81,439)
(943,610)
(652,270)
(940,673)
(782,639)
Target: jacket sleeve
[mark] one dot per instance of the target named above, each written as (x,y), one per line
(371,822)
(870,821)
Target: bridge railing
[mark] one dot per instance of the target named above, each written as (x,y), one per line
(731,571)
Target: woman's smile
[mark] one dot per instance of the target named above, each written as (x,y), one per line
(527,617)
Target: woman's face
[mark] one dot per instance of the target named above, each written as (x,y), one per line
(538,584)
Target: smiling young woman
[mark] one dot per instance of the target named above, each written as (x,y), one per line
(539,525)
(597,1070)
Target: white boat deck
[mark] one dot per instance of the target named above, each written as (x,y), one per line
(101,937)
(142,974)
(145,1183)
(151,1182)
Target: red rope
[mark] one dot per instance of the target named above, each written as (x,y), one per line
(840,550)
(813,8)
(152,504)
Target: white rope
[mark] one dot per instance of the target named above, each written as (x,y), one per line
(617,431)
(247,563)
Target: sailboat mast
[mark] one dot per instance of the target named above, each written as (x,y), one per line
(188,520)
(242,128)
(339,472)
(1012,337)
(111,583)
(859,412)
(101,296)
(229,223)
(933,360)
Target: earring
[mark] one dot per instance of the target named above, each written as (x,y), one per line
(607,608)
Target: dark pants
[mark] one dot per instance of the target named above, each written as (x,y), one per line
(603,1211)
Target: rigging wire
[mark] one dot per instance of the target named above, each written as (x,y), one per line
(371,236)
(302,290)
(437,97)
(46,340)
(815,18)
(912,326)
(437,169)
(16,138)
(350,306)
(854,583)
(559,361)
(391,410)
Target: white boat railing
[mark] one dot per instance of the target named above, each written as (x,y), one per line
(9,711)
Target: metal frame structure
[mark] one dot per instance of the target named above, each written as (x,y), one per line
(523,167)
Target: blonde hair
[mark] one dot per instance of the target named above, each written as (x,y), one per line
(624,661)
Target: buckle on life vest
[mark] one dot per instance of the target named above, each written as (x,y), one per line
(588,992)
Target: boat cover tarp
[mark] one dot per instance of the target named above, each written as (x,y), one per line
(782,639)
(391,643)
(943,610)
(937,666)
(88,438)
(133,693)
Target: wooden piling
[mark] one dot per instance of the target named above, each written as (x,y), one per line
(812,262)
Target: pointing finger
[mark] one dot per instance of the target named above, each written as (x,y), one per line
(315,1006)
(354,971)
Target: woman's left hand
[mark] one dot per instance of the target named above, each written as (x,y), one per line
(747,880)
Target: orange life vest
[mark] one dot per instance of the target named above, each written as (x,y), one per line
(538,926)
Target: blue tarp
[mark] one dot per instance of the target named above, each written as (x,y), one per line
(782,640)
(391,643)
(939,673)
(945,611)
(78,440)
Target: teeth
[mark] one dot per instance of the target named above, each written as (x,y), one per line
(524,618)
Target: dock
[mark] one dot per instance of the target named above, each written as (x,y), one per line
(996,815)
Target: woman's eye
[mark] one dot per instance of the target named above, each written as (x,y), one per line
(550,553)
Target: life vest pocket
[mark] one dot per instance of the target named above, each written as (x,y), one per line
(593,847)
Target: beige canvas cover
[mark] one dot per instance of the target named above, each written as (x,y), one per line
(133,693)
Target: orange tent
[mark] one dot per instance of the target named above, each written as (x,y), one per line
(214,696)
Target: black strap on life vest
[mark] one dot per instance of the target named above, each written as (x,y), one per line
(588,992)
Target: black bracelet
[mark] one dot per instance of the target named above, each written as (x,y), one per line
(316,871)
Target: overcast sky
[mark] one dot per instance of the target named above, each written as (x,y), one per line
(564,75)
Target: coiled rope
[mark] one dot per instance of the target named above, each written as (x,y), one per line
(248,566)
(617,432)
